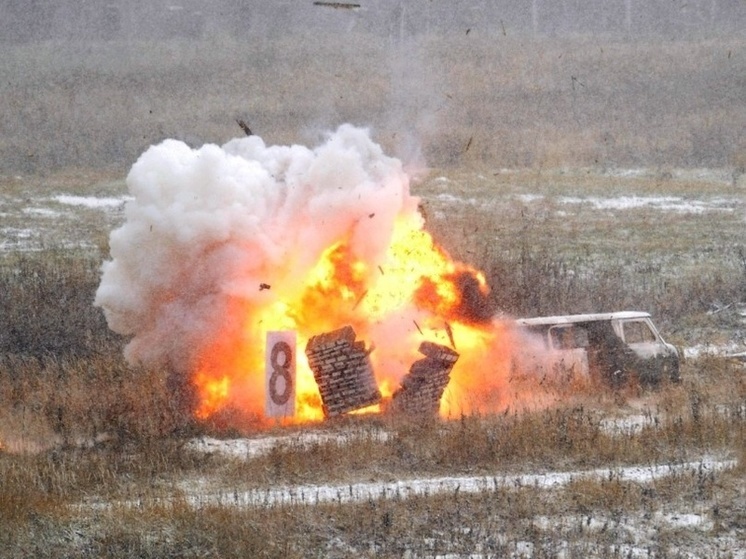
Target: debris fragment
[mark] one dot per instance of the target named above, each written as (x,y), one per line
(360,299)
(337,5)
(449,331)
(244,127)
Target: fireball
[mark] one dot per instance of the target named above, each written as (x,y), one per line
(224,244)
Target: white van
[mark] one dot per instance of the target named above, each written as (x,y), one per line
(610,346)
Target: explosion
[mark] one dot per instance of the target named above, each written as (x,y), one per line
(223,244)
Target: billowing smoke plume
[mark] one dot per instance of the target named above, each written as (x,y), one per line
(243,221)
(222,244)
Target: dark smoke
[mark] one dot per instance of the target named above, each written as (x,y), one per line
(476,306)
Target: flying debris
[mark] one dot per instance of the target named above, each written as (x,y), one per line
(338,5)
(263,286)
(244,127)
(449,331)
(423,212)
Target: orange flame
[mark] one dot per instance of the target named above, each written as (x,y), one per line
(415,294)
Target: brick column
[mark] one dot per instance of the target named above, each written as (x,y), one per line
(423,387)
(342,369)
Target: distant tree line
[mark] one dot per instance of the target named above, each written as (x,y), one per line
(37,20)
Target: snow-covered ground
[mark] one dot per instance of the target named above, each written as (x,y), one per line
(91,201)
(633,533)
(675,204)
(202,492)
(33,222)
(252,447)
(199,495)
(662,203)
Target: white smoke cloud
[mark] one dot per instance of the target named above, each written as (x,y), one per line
(212,224)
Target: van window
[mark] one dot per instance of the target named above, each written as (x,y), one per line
(568,337)
(637,332)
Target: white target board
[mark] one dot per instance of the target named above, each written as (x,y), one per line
(280,374)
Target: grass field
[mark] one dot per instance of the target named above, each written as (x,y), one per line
(158,498)
(116,475)
(98,458)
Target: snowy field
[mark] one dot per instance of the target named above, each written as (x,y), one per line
(52,213)
(616,533)
(58,213)
(198,493)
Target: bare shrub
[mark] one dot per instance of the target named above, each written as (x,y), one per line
(47,402)
(47,305)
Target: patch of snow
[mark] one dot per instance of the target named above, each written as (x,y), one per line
(686,520)
(451,199)
(529,198)
(448,198)
(251,448)
(711,350)
(723,175)
(627,173)
(628,425)
(41,212)
(12,238)
(638,530)
(91,201)
(663,203)
(18,233)
(712,175)
(631,524)
(365,491)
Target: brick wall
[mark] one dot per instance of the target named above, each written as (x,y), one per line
(342,369)
(423,387)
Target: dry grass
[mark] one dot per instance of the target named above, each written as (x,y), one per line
(78,425)
(699,416)
(465,100)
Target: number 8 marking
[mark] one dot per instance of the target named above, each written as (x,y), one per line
(281,370)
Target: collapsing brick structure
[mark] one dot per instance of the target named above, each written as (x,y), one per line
(342,369)
(423,387)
